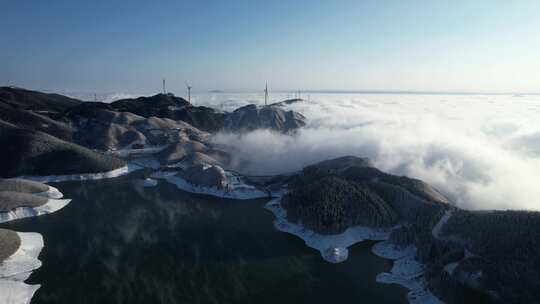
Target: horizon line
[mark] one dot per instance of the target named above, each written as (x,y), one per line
(308,91)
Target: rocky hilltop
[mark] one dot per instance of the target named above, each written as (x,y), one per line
(333,195)
(246,118)
(252,117)
(50,134)
(172,107)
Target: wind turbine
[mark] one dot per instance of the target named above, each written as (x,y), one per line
(188,92)
(266,93)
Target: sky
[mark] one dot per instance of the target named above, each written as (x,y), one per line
(130,46)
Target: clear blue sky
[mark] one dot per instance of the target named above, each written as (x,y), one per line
(131,45)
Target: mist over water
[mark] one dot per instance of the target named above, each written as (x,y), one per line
(482,151)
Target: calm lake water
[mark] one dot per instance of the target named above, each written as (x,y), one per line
(118,242)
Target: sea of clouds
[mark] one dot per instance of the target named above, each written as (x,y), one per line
(482,151)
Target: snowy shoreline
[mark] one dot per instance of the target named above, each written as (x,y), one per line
(406,271)
(52,205)
(84,176)
(333,248)
(52,192)
(242,192)
(18,267)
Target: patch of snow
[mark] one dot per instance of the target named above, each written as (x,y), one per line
(25,259)
(163,174)
(279,192)
(408,267)
(176,108)
(418,288)
(438,227)
(450,267)
(52,192)
(52,205)
(84,176)
(18,267)
(406,272)
(241,191)
(333,248)
(128,150)
(149,182)
(390,251)
(146,162)
(15,292)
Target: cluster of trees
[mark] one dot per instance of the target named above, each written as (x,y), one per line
(331,204)
(334,195)
(504,251)
(497,253)
(507,244)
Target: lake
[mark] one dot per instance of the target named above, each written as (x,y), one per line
(119,242)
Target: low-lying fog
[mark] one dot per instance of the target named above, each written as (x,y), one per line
(483,151)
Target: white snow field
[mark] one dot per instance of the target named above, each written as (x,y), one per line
(18,267)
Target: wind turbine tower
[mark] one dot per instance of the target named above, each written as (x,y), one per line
(266,94)
(188,93)
(164,91)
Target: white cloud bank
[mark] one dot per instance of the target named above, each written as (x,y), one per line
(482,151)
